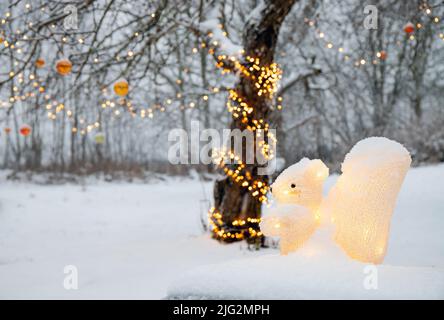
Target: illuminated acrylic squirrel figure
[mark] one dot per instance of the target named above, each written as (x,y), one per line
(360,204)
(298,194)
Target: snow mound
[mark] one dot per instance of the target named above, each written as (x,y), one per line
(320,270)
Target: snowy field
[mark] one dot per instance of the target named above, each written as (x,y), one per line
(145,241)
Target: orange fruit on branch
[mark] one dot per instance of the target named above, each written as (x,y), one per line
(40,63)
(25,130)
(64,67)
(409,28)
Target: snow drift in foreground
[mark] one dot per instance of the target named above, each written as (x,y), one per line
(320,270)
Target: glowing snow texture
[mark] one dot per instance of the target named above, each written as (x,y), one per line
(292,223)
(363,199)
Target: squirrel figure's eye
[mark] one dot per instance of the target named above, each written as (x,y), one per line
(293,186)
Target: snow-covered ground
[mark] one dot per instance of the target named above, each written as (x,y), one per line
(137,240)
(126,240)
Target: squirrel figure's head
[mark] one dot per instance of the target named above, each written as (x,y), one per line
(301,184)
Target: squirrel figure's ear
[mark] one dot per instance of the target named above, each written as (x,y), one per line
(318,170)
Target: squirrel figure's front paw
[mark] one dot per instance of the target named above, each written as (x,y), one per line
(294,224)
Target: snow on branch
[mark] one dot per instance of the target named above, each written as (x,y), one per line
(214,29)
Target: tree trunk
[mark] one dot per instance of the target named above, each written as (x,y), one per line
(232,201)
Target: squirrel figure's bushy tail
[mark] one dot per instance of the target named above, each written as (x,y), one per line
(362,201)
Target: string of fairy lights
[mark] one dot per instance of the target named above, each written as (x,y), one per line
(56,107)
(58,110)
(381,55)
(17,45)
(265,79)
(230,231)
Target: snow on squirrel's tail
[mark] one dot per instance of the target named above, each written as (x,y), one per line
(362,201)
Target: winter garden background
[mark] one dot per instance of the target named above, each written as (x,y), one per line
(85,177)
